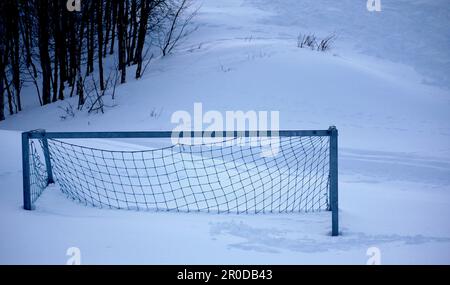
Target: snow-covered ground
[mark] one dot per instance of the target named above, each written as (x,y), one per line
(384,85)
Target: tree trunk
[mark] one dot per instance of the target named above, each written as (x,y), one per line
(26,36)
(90,36)
(80,83)
(56,49)
(55,79)
(43,50)
(107,19)
(114,4)
(16,52)
(133,29)
(125,30)
(61,39)
(145,11)
(10,97)
(100,42)
(121,41)
(73,43)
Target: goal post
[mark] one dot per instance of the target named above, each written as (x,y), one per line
(226,174)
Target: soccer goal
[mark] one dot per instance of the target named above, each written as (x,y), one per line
(221,172)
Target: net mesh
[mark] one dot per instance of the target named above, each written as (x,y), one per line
(231,176)
(38,173)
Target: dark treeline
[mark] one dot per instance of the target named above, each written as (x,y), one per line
(44,44)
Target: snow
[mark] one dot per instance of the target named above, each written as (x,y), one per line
(385,85)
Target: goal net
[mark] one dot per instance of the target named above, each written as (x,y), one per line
(232,173)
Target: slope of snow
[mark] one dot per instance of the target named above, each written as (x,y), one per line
(394,140)
(411,32)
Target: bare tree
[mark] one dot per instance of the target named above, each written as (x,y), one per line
(145,12)
(121,38)
(178,23)
(100,42)
(43,50)
(15,52)
(43,44)
(114,5)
